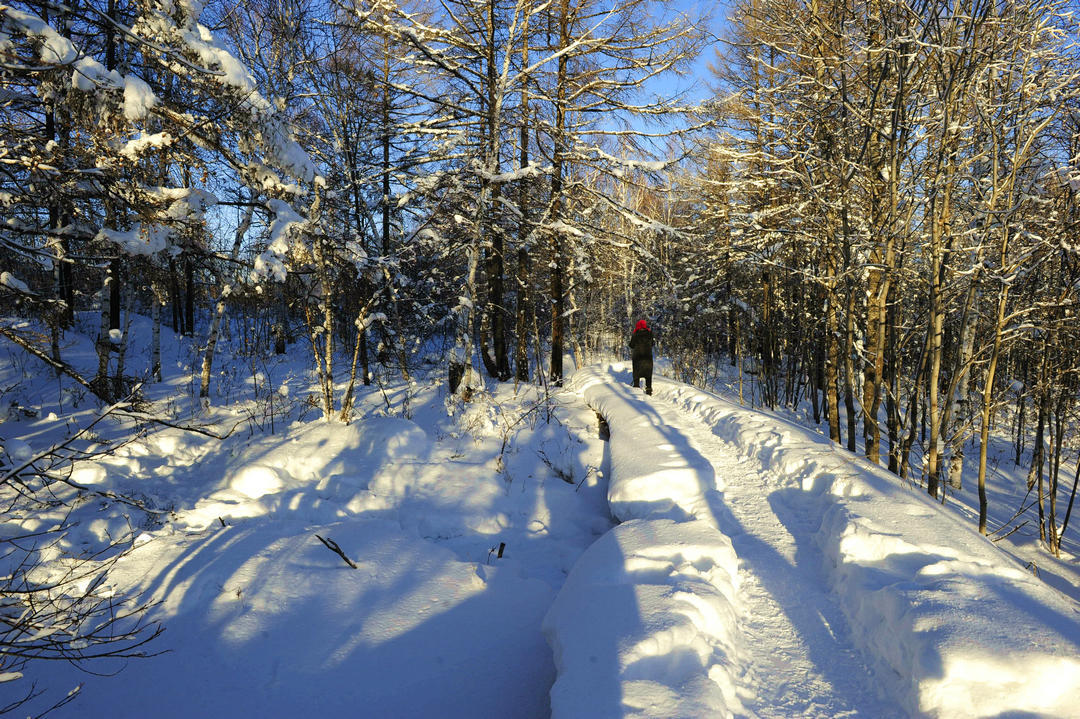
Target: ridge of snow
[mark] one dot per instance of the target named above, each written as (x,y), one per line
(952,626)
(645,625)
(9,280)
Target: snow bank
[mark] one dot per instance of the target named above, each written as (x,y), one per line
(645,625)
(952,626)
(651,472)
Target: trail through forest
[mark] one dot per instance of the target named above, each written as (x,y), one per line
(801,580)
(799,656)
(752,569)
(792,655)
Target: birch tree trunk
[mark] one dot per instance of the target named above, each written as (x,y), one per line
(460,364)
(957,417)
(941,216)
(104,345)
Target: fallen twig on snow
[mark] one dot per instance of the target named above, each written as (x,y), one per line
(333,547)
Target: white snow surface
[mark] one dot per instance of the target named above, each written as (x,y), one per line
(139,240)
(645,625)
(139,99)
(263,620)
(755,571)
(891,606)
(9,280)
(136,146)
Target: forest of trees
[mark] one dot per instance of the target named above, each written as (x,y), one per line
(892,207)
(872,213)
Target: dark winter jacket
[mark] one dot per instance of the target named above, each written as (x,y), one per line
(641,343)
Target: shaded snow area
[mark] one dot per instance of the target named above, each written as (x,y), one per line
(715,615)
(263,620)
(761,572)
(645,624)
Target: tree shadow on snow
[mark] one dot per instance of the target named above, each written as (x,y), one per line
(263,620)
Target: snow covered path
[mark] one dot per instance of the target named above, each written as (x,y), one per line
(824,587)
(797,652)
(786,653)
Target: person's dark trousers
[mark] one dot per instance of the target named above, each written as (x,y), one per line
(642,372)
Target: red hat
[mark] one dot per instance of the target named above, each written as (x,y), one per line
(641,325)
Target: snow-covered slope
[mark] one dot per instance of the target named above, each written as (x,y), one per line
(756,572)
(260,618)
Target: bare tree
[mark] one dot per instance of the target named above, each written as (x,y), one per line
(56,605)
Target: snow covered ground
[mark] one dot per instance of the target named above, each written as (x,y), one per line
(262,619)
(708,560)
(948,624)
(646,625)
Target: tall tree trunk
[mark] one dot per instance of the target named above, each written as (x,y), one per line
(358,347)
(911,419)
(57,129)
(219,309)
(813,384)
(558,255)
(104,344)
(189,295)
(1035,474)
(521,326)
(155,340)
(765,341)
(832,365)
(957,416)
(849,369)
(1054,473)
(880,371)
(395,339)
(115,278)
(58,219)
(281,332)
(119,387)
(936,331)
(573,329)
(876,292)
(892,383)
(174,294)
(1021,406)
(988,383)
(460,362)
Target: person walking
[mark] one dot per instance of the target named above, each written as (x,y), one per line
(641,343)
